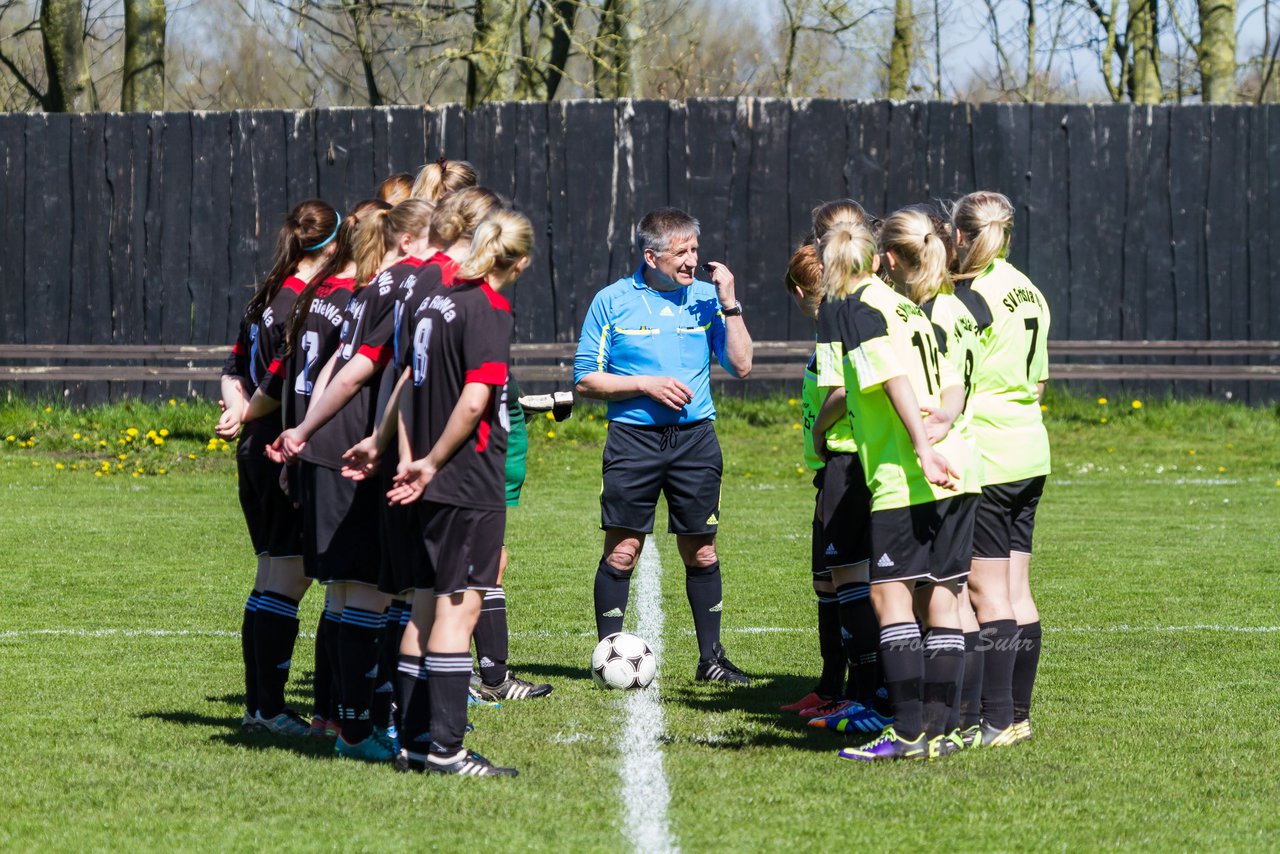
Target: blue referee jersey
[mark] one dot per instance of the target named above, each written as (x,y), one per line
(633,330)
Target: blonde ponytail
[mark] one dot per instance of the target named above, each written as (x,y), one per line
(380,232)
(439,179)
(499,242)
(986,221)
(458,215)
(919,253)
(848,253)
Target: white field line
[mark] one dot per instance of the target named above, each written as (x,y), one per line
(742,630)
(645,794)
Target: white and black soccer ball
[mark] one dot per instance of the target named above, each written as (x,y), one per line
(623,661)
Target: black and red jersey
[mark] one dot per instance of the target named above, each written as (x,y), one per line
(461,334)
(256,357)
(317,339)
(436,271)
(367,330)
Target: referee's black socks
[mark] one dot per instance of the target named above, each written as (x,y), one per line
(706,597)
(903,661)
(275,630)
(998,644)
(613,586)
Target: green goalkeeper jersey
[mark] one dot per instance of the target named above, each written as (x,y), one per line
(812,397)
(1014,359)
(873,336)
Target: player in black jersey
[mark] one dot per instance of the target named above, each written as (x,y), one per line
(270,624)
(455,416)
(340,515)
(311,336)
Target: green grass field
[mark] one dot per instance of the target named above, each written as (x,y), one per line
(1155,715)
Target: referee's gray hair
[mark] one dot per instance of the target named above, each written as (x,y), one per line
(661,226)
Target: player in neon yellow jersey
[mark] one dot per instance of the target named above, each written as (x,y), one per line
(848,633)
(881,348)
(1007,387)
(910,241)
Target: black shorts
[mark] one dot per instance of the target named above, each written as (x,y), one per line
(924,542)
(682,462)
(463,547)
(841,515)
(275,525)
(1007,518)
(401,542)
(340,525)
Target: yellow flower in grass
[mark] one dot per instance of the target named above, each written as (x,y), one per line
(791,401)
(1192,452)
(1044,408)
(164,431)
(11,438)
(132,431)
(173,402)
(1102,401)
(102,443)
(162,471)
(1137,404)
(159,440)
(1102,420)
(796,427)
(551,434)
(48,409)
(191,456)
(1221,469)
(551,416)
(75,435)
(59,466)
(121,456)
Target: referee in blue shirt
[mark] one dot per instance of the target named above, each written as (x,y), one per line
(646,348)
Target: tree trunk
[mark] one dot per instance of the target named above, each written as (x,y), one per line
(1217,51)
(542,64)
(613,61)
(1144,41)
(143,88)
(900,50)
(65,58)
(359,13)
(493,24)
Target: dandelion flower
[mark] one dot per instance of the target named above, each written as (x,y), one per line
(791,401)
(1102,420)
(1192,452)
(75,435)
(164,431)
(191,456)
(795,427)
(551,434)
(132,431)
(1137,404)
(172,402)
(551,416)
(48,409)
(11,438)
(1102,401)
(59,466)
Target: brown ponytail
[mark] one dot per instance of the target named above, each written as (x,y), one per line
(437,180)
(380,232)
(308,228)
(396,188)
(341,257)
(841,210)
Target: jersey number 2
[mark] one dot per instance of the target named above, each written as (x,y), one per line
(310,345)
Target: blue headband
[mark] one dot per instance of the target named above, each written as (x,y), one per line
(323,243)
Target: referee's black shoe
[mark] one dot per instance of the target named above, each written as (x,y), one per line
(721,669)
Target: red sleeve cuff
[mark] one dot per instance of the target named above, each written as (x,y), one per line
(275,366)
(378,355)
(489,373)
(236,349)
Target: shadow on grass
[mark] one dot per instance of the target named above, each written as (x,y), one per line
(228,732)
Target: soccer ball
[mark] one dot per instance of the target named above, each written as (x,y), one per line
(623,661)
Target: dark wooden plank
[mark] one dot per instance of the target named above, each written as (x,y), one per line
(363,173)
(810,176)
(1084,234)
(565,325)
(1264,274)
(406,143)
(533,304)
(1226,230)
(174,211)
(495,147)
(452,133)
(217,321)
(248,222)
(588,186)
(139,303)
(13,193)
(269,152)
(1048,262)
(380,130)
(117,352)
(1157,277)
(908,160)
(1141,192)
(1111,141)
(950,155)
(710,153)
(158,310)
(1188,188)
(649,163)
(48,274)
(865,164)
(301,155)
(770,241)
(678,143)
(333,151)
(739,224)
(83,242)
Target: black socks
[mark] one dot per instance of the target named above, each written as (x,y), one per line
(830,646)
(903,661)
(971,687)
(612,588)
(998,644)
(322,687)
(449,674)
(248,654)
(492,642)
(274,632)
(358,639)
(943,670)
(861,632)
(1026,662)
(706,598)
(415,702)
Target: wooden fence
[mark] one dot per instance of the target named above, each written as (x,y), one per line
(1137,222)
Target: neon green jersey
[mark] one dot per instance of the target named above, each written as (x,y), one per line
(957,330)
(1015,357)
(868,338)
(839,437)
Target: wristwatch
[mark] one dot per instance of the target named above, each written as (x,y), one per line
(736,311)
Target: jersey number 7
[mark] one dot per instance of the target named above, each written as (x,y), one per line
(1033,326)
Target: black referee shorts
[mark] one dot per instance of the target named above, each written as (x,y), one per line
(1007,518)
(925,543)
(275,525)
(841,515)
(682,462)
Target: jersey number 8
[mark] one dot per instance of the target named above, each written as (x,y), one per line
(421,339)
